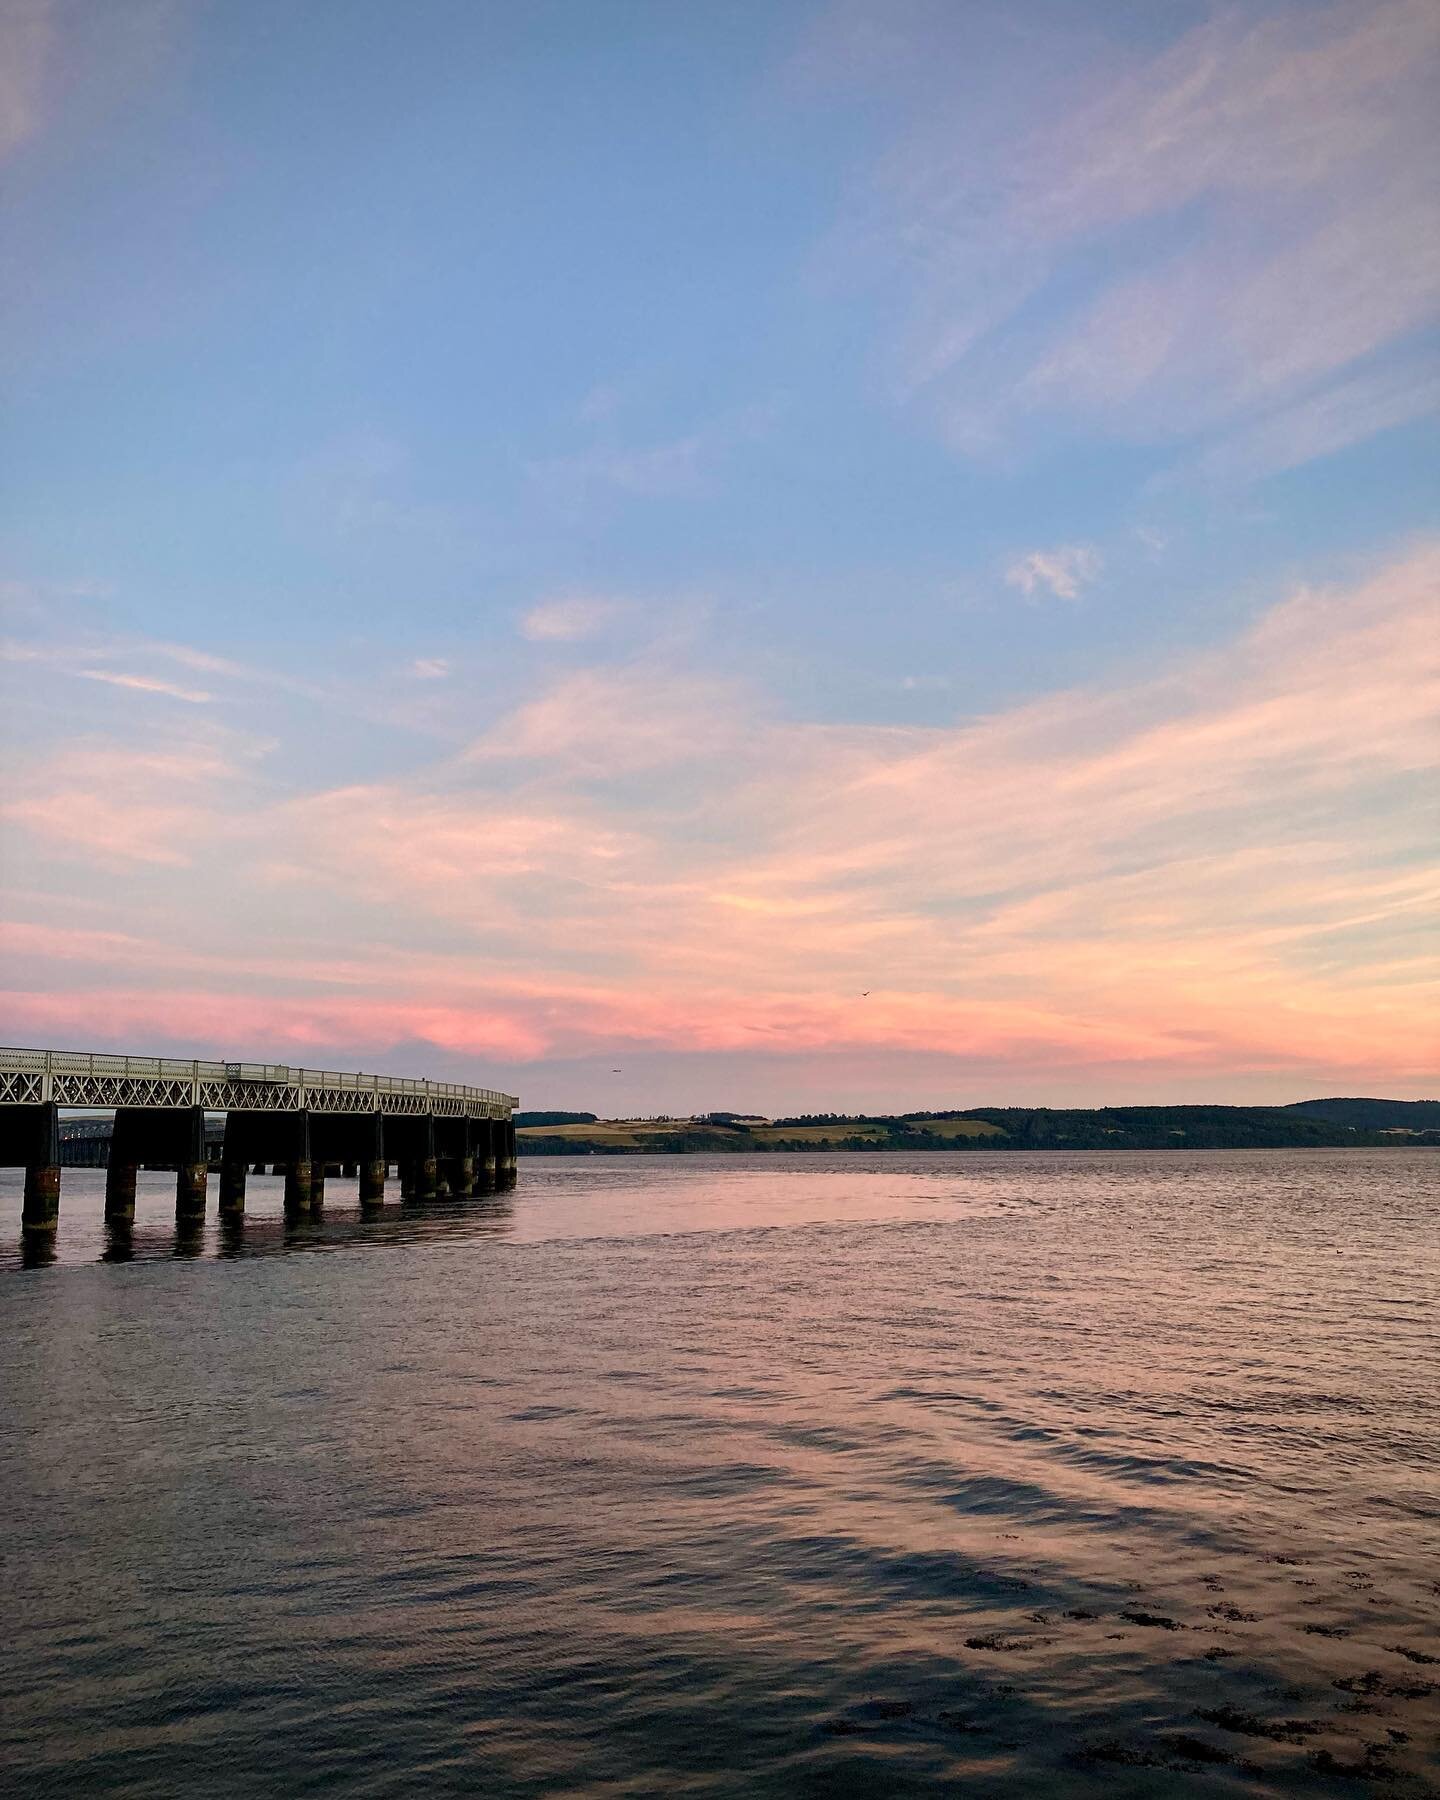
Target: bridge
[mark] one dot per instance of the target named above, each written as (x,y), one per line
(444,1139)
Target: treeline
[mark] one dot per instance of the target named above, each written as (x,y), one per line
(1013,1128)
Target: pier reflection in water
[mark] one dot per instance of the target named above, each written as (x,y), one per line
(850,1475)
(265,1228)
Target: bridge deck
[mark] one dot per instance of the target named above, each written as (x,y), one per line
(76,1078)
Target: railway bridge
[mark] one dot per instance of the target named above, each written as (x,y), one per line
(443,1138)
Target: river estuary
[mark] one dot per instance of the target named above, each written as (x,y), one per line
(835,1475)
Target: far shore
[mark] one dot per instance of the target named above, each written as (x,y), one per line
(1306,1124)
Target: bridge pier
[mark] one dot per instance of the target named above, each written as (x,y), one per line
(350,1146)
(30,1138)
(505,1167)
(411,1138)
(171,1137)
(192,1166)
(122,1165)
(371,1164)
(485,1165)
(232,1187)
(255,1141)
(456,1166)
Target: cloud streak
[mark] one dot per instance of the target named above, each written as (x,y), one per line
(1234,234)
(1226,869)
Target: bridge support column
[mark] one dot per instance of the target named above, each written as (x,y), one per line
(192,1166)
(171,1137)
(505,1170)
(232,1186)
(372,1164)
(456,1166)
(127,1152)
(483,1136)
(297,1185)
(120,1179)
(410,1139)
(33,1140)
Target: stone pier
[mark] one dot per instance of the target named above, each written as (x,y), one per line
(157,1137)
(30,1140)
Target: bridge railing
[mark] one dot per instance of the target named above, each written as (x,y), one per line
(101,1066)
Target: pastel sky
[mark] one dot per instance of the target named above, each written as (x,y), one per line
(814,555)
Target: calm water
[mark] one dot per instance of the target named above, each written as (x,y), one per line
(802,1476)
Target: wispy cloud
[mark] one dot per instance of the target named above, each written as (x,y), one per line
(570,618)
(1222,235)
(1228,867)
(146,684)
(1062,571)
(429,668)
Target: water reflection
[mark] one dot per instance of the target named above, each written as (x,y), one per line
(119,1241)
(267,1227)
(1082,1476)
(38,1249)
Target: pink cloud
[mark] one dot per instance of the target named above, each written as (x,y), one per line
(1229,867)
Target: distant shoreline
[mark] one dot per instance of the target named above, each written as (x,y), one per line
(1307,1124)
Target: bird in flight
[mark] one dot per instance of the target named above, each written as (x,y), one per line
(865,994)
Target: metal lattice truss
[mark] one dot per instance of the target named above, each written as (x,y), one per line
(73,1078)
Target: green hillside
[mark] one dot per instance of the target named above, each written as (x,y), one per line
(1386,1123)
(1374,1115)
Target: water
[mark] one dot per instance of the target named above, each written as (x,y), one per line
(839,1475)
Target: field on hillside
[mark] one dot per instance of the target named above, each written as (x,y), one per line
(698,1134)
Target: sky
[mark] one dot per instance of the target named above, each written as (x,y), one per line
(790,557)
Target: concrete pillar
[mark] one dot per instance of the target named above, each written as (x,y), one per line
(192,1165)
(317,1185)
(119,1193)
(485,1162)
(372,1165)
(462,1179)
(232,1186)
(40,1209)
(127,1152)
(412,1139)
(297,1185)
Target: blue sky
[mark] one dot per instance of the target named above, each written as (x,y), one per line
(537,419)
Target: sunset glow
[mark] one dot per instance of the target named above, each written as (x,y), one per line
(872,655)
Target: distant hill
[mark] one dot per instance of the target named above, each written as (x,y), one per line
(987,1128)
(1374,1115)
